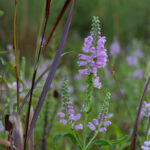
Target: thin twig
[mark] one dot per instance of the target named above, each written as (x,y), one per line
(134,134)
(16,68)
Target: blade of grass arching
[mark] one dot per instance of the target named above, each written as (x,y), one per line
(56,23)
(35,69)
(52,71)
(16,55)
(134,134)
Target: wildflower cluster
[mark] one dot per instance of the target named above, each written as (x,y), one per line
(95,55)
(146,145)
(100,123)
(96,121)
(145,112)
(67,113)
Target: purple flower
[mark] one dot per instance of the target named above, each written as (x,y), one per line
(78,127)
(82,87)
(145,148)
(82,63)
(71,89)
(115,48)
(138,53)
(99,116)
(91,126)
(62,109)
(132,60)
(102,130)
(96,122)
(77,117)
(138,73)
(9,47)
(96,82)
(147,143)
(60,114)
(77,77)
(71,111)
(107,123)
(84,72)
(71,117)
(95,56)
(63,121)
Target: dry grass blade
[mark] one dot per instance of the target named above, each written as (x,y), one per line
(18,132)
(31,141)
(47,8)
(52,71)
(57,22)
(134,134)
(7,144)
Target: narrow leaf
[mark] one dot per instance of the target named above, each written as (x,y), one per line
(57,22)
(3,52)
(60,136)
(100,143)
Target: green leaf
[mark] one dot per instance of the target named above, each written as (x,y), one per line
(116,130)
(60,136)
(3,52)
(1,13)
(100,143)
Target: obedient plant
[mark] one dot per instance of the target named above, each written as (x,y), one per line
(94,57)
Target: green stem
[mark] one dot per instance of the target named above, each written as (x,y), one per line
(85,130)
(91,140)
(78,141)
(96,132)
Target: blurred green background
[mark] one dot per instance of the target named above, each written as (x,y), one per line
(121,19)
